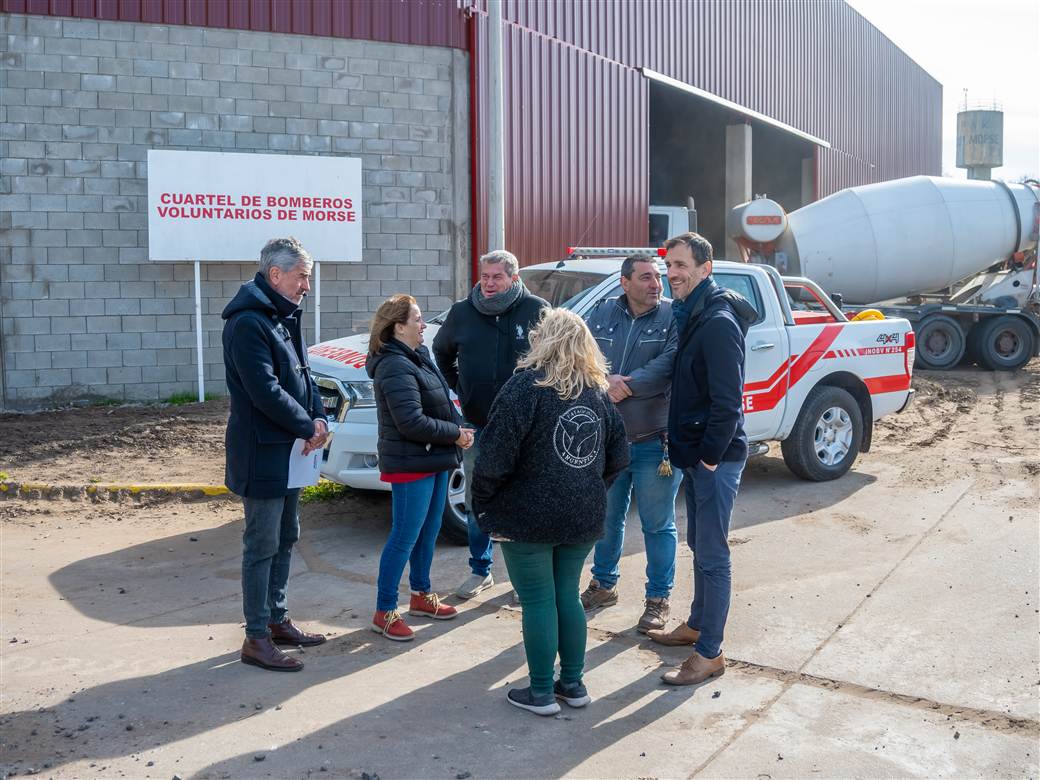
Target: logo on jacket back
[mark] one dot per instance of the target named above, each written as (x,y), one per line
(577,437)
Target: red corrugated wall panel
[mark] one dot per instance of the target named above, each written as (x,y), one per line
(429,22)
(818,66)
(575,146)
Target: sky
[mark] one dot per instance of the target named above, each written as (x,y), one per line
(989,47)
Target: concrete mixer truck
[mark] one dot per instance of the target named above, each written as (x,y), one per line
(956,258)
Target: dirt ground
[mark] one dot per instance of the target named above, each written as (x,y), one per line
(884,624)
(977,413)
(141,444)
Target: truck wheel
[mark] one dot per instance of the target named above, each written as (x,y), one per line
(455,520)
(1005,343)
(826,436)
(940,343)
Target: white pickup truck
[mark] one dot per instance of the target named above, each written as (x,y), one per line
(815,381)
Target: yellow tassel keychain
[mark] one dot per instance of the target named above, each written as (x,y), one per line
(665,469)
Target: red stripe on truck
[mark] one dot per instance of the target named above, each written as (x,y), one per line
(350,357)
(887,384)
(799,367)
(780,371)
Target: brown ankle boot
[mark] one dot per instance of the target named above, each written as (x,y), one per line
(696,669)
(264,653)
(682,634)
(655,616)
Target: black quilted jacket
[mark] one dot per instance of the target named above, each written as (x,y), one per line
(418,423)
(545,463)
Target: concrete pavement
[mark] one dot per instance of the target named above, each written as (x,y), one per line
(873,633)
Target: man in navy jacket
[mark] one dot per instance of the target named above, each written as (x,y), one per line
(706,438)
(273,402)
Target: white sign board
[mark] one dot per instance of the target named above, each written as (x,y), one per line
(215,206)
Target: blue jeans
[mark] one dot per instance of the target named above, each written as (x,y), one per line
(272,528)
(655,497)
(709,504)
(479,542)
(417,508)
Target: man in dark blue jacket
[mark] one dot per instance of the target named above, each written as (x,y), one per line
(706,438)
(273,402)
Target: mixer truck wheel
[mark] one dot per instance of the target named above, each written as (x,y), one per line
(1005,343)
(826,437)
(940,343)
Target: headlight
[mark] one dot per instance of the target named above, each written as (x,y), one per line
(334,397)
(361,394)
(339,397)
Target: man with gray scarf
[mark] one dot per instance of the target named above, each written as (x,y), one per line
(477,348)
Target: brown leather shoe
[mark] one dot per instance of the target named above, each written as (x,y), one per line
(696,669)
(263,653)
(682,634)
(288,634)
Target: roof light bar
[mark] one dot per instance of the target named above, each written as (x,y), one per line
(614,251)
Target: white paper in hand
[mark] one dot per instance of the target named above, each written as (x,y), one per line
(304,470)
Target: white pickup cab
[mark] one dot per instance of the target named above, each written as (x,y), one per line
(814,381)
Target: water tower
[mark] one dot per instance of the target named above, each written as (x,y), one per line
(980,139)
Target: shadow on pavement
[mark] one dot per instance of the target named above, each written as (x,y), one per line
(125,717)
(158,583)
(463,724)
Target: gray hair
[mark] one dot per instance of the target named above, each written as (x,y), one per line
(284,254)
(508,259)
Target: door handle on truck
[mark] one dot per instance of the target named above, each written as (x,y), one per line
(761,345)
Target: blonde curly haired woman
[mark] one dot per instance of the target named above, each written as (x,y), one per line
(552,445)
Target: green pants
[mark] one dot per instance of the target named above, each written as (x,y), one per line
(546,577)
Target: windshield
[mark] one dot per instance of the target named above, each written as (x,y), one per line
(560,286)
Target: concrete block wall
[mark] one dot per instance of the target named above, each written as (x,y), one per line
(84,314)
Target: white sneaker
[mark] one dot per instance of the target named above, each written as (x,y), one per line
(473,585)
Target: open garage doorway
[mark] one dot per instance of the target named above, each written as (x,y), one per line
(688,154)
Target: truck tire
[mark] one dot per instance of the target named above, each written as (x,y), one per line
(1005,343)
(826,437)
(454,520)
(940,343)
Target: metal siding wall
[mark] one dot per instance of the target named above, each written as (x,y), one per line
(579,156)
(576,156)
(424,22)
(814,64)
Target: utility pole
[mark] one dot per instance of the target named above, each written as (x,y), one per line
(496,131)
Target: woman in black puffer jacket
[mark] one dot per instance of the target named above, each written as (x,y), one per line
(419,435)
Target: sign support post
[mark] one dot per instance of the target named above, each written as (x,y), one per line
(223,207)
(198,331)
(317,302)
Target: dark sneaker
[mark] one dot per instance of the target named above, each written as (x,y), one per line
(655,616)
(523,698)
(596,596)
(571,694)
